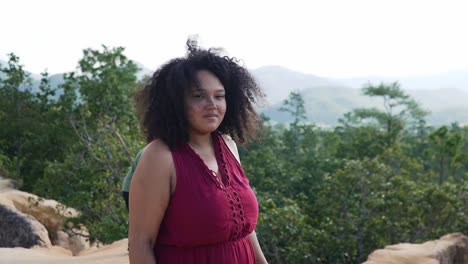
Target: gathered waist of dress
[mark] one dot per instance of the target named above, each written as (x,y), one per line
(220,244)
(239,251)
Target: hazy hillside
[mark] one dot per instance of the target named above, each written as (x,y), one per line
(278,81)
(325,104)
(328,99)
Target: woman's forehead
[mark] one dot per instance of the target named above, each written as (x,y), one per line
(207,81)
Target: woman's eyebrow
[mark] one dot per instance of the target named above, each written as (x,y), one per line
(203,90)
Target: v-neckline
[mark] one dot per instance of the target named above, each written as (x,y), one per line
(217,175)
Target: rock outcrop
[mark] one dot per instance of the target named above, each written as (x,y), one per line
(449,249)
(16,230)
(46,219)
(27,221)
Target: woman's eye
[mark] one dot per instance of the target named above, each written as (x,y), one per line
(220,96)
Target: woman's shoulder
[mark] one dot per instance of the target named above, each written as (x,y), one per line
(157,150)
(155,165)
(231,143)
(229,140)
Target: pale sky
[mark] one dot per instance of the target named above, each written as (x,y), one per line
(327,38)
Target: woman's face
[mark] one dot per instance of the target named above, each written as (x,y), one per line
(205,105)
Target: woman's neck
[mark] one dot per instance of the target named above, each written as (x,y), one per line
(200,141)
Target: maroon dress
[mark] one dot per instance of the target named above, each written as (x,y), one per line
(210,215)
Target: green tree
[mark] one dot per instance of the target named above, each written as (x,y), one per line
(445,147)
(283,230)
(33,130)
(399,109)
(294,105)
(16,114)
(97,107)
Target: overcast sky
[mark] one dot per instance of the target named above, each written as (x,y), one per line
(327,38)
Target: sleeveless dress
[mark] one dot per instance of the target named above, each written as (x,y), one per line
(210,215)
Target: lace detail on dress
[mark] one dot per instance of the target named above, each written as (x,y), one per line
(234,200)
(237,211)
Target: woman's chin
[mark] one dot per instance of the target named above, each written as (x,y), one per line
(206,129)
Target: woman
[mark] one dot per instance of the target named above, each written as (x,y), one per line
(190,200)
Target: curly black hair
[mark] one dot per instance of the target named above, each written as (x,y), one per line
(161,102)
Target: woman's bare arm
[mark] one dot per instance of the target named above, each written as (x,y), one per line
(149,196)
(259,257)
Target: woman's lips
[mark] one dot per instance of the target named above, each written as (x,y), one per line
(211,116)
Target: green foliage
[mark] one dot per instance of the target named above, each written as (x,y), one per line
(74,148)
(5,165)
(294,105)
(102,121)
(446,148)
(283,230)
(17,111)
(399,110)
(359,187)
(105,81)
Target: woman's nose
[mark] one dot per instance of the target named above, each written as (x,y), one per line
(211,101)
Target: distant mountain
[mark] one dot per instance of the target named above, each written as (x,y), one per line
(278,81)
(326,99)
